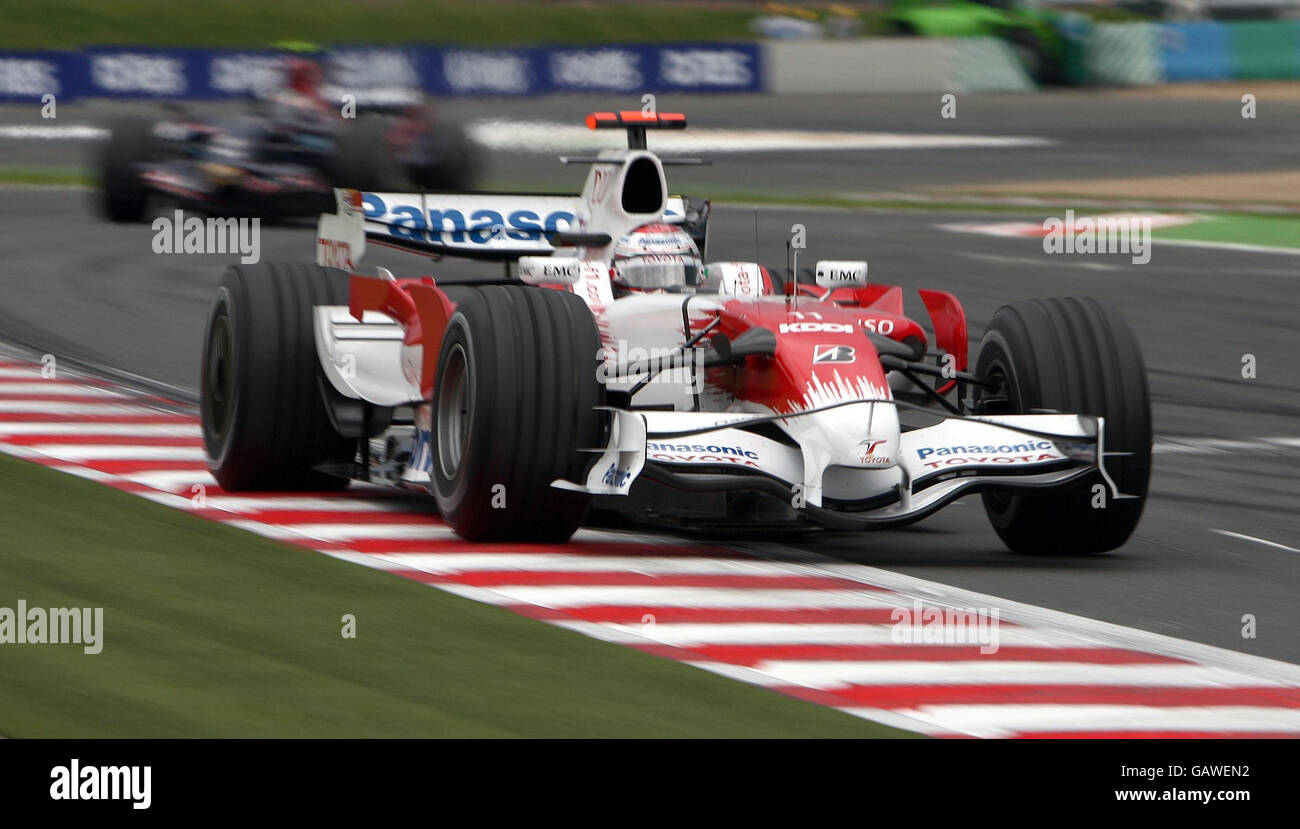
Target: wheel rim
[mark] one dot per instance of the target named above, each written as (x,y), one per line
(454,411)
(219,403)
(997,402)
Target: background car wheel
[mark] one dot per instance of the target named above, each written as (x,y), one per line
(1069,355)
(362,159)
(514,400)
(451,161)
(123,196)
(265,425)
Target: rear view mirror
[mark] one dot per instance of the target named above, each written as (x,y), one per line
(755,342)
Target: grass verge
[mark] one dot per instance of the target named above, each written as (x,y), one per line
(1240,229)
(69,175)
(212,632)
(242,23)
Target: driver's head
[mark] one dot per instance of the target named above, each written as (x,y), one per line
(302,75)
(655,257)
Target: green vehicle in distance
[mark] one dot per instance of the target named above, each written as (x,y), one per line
(1033,32)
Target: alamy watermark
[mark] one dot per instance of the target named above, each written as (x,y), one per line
(1099,234)
(669,364)
(179,234)
(918,625)
(53,626)
(77,782)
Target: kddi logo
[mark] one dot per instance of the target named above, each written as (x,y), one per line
(816,328)
(77,782)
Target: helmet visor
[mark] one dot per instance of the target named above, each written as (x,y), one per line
(657,272)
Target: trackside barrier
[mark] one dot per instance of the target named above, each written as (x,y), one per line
(200,74)
(1110,53)
(1145,53)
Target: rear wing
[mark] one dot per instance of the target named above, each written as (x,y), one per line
(493,226)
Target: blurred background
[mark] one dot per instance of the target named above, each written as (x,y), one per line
(482,62)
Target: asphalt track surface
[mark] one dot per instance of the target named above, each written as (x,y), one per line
(83,289)
(1090,134)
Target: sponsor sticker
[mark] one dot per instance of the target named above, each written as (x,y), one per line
(1027,452)
(701,453)
(816,328)
(467,225)
(834,354)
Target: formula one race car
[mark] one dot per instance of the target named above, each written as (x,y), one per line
(609,366)
(285,157)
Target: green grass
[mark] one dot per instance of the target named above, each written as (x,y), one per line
(70,175)
(1240,229)
(212,632)
(71,23)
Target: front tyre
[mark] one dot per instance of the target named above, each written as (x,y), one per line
(514,403)
(265,425)
(1073,355)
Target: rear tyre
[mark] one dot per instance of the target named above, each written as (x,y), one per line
(1073,355)
(123,196)
(265,425)
(514,402)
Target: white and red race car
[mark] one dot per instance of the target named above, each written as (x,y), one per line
(610,365)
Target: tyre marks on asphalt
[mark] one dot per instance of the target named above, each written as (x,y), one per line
(820,630)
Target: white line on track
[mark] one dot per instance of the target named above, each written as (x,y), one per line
(60,407)
(886,716)
(252,505)
(135,430)
(120,452)
(694,634)
(85,472)
(171,480)
(560,596)
(1192,243)
(17,391)
(560,562)
(832,674)
(1009,720)
(1218,446)
(345,532)
(1263,541)
(67,132)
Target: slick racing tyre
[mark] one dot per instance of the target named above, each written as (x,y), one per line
(513,404)
(1073,355)
(123,196)
(265,425)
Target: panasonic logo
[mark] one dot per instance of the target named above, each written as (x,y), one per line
(480,227)
(1005,449)
(713,450)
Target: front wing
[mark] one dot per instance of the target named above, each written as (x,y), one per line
(934,465)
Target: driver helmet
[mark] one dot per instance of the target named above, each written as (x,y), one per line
(656,257)
(303,76)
